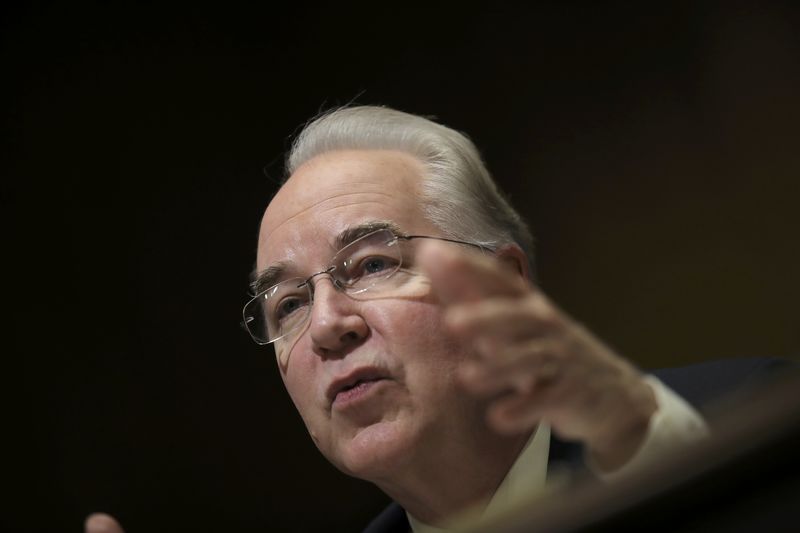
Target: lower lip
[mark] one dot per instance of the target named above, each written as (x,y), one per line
(350,397)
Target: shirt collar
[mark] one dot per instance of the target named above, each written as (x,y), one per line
(525,478)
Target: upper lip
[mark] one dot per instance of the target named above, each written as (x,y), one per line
(367,373)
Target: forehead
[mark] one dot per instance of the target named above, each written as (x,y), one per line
(337,190)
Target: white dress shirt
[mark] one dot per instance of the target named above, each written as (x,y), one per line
(675,423)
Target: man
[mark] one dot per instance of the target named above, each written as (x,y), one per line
(394,283)
(423,365)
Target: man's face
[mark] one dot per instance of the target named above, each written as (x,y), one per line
(406,399)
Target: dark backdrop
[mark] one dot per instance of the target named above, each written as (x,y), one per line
(653,149)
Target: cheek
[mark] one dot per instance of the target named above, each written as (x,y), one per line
(414,334)
(299,378)
(293,377)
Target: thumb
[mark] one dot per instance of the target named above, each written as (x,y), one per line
(101,523)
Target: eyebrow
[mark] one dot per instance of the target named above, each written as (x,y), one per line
(353,233)
(272,274)
(268,277)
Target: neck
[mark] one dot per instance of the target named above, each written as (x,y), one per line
(453,479)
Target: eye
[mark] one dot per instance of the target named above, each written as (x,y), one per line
(373,265)
(287,306)
(366,261)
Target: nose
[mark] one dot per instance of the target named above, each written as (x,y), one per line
(336,325)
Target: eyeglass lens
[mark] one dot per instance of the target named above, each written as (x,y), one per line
(357,268)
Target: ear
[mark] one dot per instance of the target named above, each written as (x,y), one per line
(512,256)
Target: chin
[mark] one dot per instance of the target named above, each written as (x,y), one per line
(375,451)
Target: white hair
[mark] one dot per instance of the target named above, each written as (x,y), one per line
(459,195)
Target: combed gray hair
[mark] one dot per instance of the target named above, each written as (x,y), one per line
(459,195)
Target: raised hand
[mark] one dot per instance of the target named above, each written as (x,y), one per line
(539,363)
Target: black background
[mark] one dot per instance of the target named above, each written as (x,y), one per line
(653,148)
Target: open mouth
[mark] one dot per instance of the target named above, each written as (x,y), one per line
(357,384)
(355,390)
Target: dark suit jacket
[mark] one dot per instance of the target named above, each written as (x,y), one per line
(699,384)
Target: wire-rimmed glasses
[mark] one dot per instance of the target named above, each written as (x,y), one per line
(369,263)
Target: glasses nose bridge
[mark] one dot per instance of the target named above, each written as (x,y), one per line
(311,283)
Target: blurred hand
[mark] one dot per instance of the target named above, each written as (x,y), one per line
(101,523)
(538,363)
